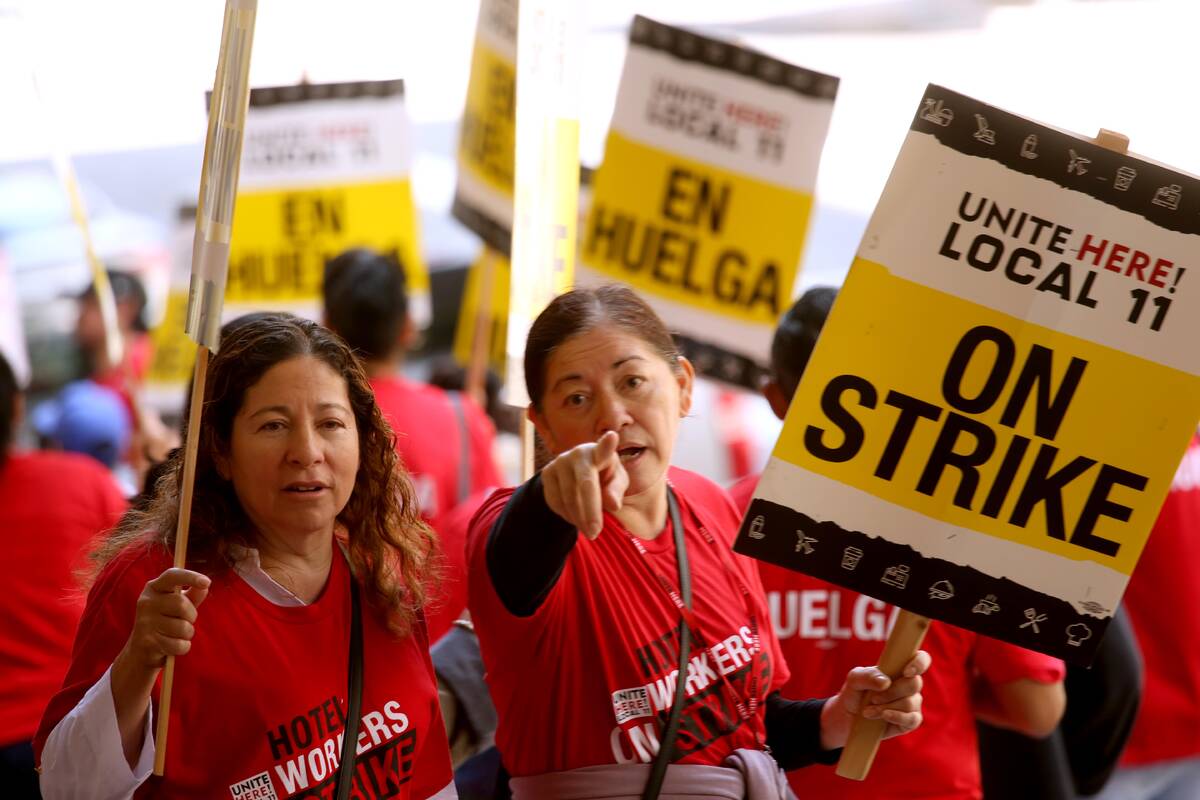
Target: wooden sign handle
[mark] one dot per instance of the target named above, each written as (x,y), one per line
(190,448)
(865,734)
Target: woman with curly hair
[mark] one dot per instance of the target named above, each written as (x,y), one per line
(311,562)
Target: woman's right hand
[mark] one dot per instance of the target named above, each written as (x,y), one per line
(163,625)
(584,482)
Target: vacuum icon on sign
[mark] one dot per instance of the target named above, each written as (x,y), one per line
(932,111)
(756,527)
(1033,618)
(983,132)
(896,576)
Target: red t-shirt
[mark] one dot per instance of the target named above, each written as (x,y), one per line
(446,603)
(52,505)
(825,631)
(583,680)
(139,351)
(261,696)
(429,440)
(1163,603)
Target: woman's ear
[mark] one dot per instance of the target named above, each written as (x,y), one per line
(539,424)
(687,380)
(778,401)
(222,465)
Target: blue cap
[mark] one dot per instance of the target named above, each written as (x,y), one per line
(86,418)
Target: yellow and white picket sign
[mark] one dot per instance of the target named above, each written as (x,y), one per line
(171,365)
(1004,388)
(483,197)
(703,199)
(325,167)
(488,275)
(546,175)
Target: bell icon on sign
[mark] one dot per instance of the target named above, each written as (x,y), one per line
(756,527)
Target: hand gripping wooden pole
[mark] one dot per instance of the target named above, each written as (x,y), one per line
(181,537)
(865,734)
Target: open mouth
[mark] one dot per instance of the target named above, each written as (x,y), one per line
(631,453)
(304,488)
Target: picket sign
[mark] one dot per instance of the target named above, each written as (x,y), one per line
(909,631)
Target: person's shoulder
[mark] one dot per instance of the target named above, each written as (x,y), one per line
(132,567)
(700,491)
(486,515)
(58,465)
(742,491)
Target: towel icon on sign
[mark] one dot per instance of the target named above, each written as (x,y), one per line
(896,576)
(756,527)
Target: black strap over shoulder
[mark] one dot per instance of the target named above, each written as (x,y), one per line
(658,771)
(353,696)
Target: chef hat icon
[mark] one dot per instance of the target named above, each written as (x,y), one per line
(1078,633)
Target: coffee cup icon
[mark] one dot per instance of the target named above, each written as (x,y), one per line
(850,557)
(1124,179)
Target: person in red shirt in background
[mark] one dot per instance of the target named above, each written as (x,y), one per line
(1162,758)
(52,505)
(444,438)
(824,629)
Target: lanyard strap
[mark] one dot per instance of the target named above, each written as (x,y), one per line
(658,771)
(354,697)
(746,709)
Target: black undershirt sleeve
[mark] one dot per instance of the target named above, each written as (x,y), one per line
(527,548)
(794,732)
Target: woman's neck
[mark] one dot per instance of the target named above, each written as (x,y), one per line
(645,514)
(302,567)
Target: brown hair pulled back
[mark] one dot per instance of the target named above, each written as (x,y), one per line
(582,310)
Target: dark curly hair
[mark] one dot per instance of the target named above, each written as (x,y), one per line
(392,551)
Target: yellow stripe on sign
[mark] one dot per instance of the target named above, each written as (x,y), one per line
(988,422)
(174,351)
(487,141)
(694,233)
(468,313)
(283,238)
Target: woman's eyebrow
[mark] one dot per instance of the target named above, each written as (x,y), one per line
(627,359)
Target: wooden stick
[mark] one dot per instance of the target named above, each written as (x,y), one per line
(181,537)
(481,341)
(527,447)
(865,734)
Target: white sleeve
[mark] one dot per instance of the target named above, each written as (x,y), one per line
(83,757)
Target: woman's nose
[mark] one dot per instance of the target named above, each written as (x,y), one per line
(613,414)
(304,446)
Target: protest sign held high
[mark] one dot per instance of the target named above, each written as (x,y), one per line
(703,198)
(483,197)
(325,168)
(1004,387)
